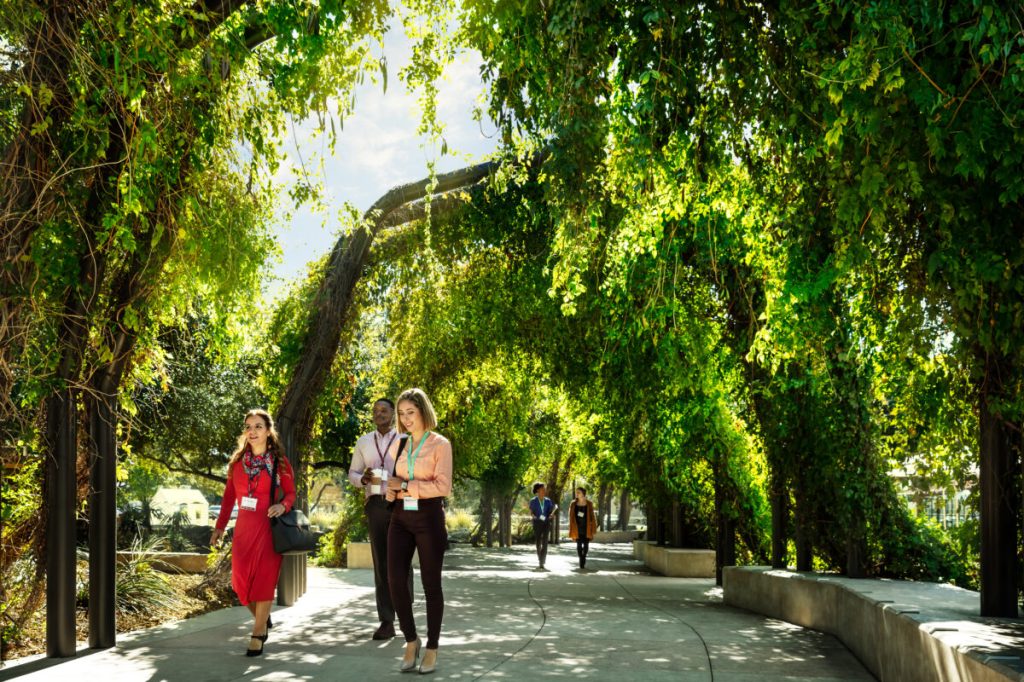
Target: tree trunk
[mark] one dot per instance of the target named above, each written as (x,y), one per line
(507,506)
(780,512)
(804,549)
(334,299)
(602,494)
(1000,499)
(487,517)
(625,509)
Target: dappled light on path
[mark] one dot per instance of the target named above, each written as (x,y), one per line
(504,620)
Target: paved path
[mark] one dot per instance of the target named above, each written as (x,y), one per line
(503,621)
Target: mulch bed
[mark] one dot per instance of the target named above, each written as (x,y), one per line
(33,640)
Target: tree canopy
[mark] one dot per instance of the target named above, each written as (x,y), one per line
(738,262)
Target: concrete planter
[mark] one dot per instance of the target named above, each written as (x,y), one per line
(360,556)
(675,562)
(606,536)
(171,562)
(901,631)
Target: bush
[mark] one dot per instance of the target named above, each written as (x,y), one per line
(459,519)
(215,587)
(333,547)
(138,587)
(914,547)
(328,553)
(325,520)
(460,524)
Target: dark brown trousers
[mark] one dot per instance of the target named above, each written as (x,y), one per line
(420,531)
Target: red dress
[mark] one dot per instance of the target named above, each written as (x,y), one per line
(255,565)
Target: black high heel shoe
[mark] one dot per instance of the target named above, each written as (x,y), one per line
(256,652)
(270,623)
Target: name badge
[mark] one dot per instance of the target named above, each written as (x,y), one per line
(410,504)
(249,503)
(542,517)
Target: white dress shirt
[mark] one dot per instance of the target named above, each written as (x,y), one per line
(372,452)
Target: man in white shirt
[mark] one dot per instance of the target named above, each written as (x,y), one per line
(371,466)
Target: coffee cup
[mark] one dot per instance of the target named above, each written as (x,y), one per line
(376,478)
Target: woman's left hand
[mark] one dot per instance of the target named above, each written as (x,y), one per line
(275,510)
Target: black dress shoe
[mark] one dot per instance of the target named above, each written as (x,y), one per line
(385,631)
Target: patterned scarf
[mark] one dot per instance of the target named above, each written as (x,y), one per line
(253,464)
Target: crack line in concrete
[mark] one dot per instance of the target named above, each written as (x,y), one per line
(543,622)
(707,652)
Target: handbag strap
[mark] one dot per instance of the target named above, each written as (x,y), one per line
(273,480)
(401,446)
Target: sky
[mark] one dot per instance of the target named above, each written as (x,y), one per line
(377,149)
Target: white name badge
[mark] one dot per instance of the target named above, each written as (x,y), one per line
(542,517)
(249,503)
(410,504)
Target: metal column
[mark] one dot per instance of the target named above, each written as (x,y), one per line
(60,526)
(102,523)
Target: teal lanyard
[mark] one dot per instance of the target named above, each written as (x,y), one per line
(540,503)
(414,454)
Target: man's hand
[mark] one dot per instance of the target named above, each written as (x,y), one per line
(367,476)
(215,536)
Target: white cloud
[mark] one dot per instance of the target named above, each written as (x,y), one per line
(378,148)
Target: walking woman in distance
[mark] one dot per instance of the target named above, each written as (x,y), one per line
(254,563)
(422,479)
(582,524)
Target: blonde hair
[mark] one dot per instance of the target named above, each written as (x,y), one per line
(273,439)
(417,397)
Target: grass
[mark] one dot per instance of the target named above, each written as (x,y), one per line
(324,519)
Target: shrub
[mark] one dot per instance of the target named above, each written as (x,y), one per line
(326,520)
(333,548)
(459,519)
(138,587)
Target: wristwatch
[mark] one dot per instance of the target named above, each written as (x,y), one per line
(405,485)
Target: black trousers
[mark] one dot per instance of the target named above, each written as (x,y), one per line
(378,520)
(420,531)
(540,536)
(582,547)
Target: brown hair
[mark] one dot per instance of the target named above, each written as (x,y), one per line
(273,439)
(417,397)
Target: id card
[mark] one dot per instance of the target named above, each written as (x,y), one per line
(410,504)
(249,503)
(542,517)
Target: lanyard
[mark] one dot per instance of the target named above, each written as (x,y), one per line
(540,503)
(376,444)
(411,461)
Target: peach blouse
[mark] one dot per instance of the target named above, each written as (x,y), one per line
(432,474)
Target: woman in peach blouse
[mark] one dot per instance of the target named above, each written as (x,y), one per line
(423,478)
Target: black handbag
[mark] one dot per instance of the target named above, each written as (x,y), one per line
(290,531)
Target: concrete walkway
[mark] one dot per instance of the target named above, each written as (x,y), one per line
(503,621)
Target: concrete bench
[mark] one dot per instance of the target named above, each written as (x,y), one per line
(675,562)
(360,556)
(900,630)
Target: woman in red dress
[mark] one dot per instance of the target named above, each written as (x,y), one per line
(254,563)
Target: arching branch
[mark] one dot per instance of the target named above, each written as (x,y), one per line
(349,259)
